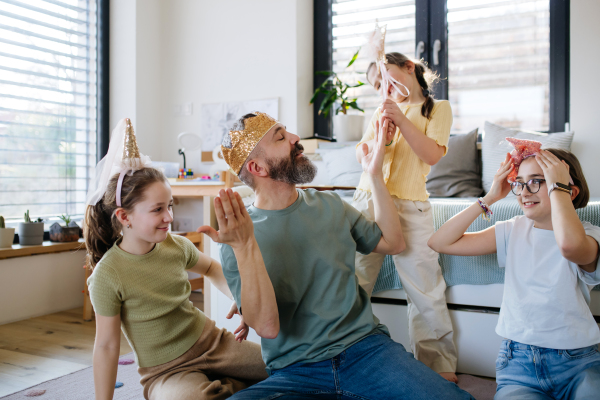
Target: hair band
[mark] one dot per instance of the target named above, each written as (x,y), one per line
(119,186)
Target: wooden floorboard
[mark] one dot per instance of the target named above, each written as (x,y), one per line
(47,347)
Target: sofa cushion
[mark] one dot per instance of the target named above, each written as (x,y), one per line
(458,173)
(342,167)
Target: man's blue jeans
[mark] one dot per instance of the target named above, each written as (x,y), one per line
(375,368)
(530,372)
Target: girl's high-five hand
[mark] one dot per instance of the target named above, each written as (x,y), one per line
(235,225)
(500,187)
(391,130)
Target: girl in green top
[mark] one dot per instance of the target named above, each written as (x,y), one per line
(139,284)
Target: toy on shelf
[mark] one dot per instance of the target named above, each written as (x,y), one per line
(185,174)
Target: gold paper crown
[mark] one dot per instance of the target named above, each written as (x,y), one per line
(244,141)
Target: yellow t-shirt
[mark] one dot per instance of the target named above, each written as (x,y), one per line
(404,172)
(151,293)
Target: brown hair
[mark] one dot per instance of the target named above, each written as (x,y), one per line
(426,78)
(576,173)
(101,228)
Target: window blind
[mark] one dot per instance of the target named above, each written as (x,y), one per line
(48,63)
(352,21)
(499,63)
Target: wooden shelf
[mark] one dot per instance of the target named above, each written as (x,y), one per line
(47,247)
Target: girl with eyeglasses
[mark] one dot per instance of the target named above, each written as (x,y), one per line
(551,341)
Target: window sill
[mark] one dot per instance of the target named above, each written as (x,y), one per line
(47,247)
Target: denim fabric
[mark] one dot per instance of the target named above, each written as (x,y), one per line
(530,372)
(375,368)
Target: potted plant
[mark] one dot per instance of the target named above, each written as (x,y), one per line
(7,235)
(67,233)
(31,232)
(346,127)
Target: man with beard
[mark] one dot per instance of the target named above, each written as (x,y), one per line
(320,339)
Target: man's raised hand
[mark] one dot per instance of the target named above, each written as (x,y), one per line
(373,162)
(235,225)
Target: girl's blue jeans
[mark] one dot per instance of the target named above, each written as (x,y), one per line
(530,372)
(374,368)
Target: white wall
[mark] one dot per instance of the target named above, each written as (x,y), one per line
(218,51)
(135,81)
(585,88)
(166,53)
(122,71)
(40,285)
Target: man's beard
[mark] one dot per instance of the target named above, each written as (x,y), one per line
(293,170)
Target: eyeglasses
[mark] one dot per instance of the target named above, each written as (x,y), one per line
(533,185)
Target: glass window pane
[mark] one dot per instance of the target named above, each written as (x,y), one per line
(47,106)
(352,22)
(498,63)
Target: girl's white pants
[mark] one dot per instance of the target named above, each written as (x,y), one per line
(429,324)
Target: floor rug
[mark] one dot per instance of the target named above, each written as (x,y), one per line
(80,386)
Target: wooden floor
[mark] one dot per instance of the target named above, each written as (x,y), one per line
(43,348)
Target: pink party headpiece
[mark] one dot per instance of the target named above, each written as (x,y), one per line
(123,158)
(523,149)
(376,51)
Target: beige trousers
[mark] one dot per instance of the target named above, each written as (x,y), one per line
(429,324)
(214,368)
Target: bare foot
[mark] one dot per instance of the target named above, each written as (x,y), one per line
(449,376)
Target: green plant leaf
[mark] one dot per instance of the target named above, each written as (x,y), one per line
(353,58)
(318,91)
(359,84)
(355,106)
(327,103)
(324,73)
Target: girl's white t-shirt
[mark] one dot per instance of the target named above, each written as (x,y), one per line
(546,297)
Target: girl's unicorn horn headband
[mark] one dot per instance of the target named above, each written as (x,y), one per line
(123,158)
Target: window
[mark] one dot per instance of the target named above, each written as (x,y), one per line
(503,61)
(48,106)
(352,21)
(498,63)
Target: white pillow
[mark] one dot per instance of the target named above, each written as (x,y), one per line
(321,178)
(494,147)
(341,165)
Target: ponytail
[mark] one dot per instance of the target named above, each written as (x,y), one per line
(98,232)
(421,72)
(426,78)
(101,228)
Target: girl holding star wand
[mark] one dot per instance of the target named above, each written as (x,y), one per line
(417,140)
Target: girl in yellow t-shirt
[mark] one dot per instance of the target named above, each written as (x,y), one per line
(418,141)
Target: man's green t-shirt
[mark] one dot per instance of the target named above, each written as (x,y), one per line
(309,251)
